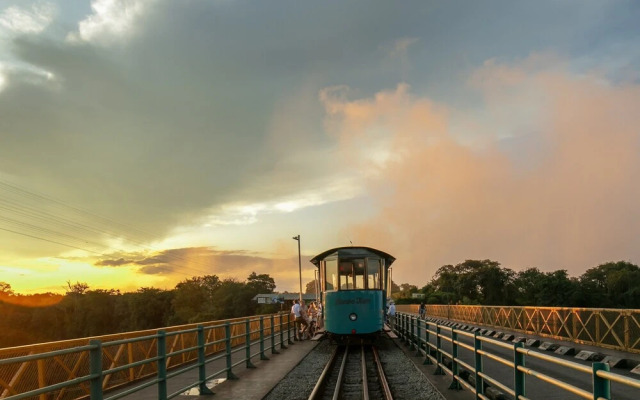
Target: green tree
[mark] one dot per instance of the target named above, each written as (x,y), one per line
(473,282)
(232,299)
(193,299)
(613,284)
(529,283)
(146,308)
(262,283)
(547,289)
(310,287)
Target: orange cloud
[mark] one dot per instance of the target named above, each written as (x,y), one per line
(545,174)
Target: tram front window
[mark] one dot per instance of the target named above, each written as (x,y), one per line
(331,271)
(351,274)
(374,280)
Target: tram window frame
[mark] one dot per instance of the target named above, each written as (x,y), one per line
(377,280)
(327,270)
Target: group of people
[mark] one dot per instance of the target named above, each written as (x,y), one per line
(307,319)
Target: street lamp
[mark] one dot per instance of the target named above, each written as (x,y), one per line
(297,238)
(316,281)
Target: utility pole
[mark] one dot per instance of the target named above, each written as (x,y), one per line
(297,238)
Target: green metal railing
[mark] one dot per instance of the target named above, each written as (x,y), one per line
(416,333)
(617,329)
(72,369)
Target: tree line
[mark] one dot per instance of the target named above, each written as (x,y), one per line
(83,312)
(485,282)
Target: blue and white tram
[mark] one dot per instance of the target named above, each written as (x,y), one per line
(354,282)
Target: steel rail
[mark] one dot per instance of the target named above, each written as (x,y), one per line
(336,392)
(383,379)
(323,377)
(365,384)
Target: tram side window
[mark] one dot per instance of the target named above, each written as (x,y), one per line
(373,274)
(331,270)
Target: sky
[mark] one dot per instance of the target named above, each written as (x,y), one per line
(144,142)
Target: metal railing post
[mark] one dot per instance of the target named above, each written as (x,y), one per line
(42,378)
(601,386)
(289,328)
(419,334)
(438,370)
(627,331)
(403,318)
(411,333)
(427,348)
(273,338)
(95,369)
(394,320)
(262,356)
(519,376)
(202,371)
(454,364)
(162,365)
(227,341)
(407,337)
(477,345)
(247,339)
(282,345)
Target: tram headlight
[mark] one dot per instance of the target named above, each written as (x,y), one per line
(353,316)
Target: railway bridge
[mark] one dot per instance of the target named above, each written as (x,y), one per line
(466,351)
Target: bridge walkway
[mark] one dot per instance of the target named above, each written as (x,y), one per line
(252,383)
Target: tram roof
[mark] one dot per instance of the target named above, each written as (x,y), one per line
(353,251)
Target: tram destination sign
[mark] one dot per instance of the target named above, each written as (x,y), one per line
(355,300)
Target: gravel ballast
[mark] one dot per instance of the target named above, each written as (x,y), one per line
(405,380)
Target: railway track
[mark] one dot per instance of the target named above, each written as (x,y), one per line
(353,372)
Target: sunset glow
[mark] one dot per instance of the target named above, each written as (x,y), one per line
(144,142)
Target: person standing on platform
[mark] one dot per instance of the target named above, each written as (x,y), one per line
(320,318)
(313,319)
(392,314)
(422,310)
(304,320)
(295,310)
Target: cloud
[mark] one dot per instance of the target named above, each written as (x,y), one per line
(178,264)
(399,52)
(31,20)
(158,129)
(114,263)
(192,260)
(111,20)
(3,79)
(571,205)
(171,115)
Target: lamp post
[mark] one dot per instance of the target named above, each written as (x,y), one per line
(316,281)
(297,238)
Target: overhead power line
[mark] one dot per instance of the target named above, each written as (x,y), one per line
(45,218)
